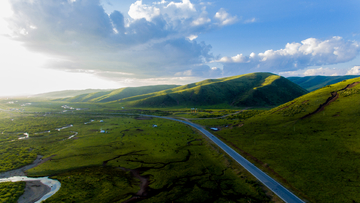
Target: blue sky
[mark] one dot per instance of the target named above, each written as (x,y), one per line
(78,44)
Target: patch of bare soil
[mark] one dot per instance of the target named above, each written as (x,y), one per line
(34,190)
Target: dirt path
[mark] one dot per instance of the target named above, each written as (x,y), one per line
(334,96)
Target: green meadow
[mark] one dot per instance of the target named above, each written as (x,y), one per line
(179,164)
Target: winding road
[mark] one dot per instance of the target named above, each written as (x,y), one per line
(273,185)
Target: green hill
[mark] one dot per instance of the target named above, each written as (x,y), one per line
(312,143)
(312,83)
(255,89)
(118,93)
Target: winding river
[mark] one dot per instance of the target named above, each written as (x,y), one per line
(17,175)
(54,185)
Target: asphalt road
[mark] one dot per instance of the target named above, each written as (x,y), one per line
(273,185)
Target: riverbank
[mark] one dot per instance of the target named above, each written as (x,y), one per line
(36,189)
(21,171)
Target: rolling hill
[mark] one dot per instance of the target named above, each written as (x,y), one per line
(118,93)
(255,89)
(310,143)
(311,83)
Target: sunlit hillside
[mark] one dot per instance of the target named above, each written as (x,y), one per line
(118,93)
(311,143)
(254,89)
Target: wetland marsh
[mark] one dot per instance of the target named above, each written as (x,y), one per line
(132,161)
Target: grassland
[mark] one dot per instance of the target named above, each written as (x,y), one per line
(316,156)
(179,164)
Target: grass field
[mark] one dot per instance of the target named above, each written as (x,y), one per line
(179,164)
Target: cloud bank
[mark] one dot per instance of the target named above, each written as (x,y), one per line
(158,40)
(354,71)
(310,52)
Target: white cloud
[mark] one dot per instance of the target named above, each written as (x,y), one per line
(155,40)
(170,10)
(322,71)
(240,58)
(139,10)
(192,37)
(224,17)
(201,21)
(310,52)
(252,20)
(185,73)
(182,15)
(290,73)
(154,44)
(354,71)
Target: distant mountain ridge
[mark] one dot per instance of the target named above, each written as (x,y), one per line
(254,89)
(67,93)
(117,94)
(311,83)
